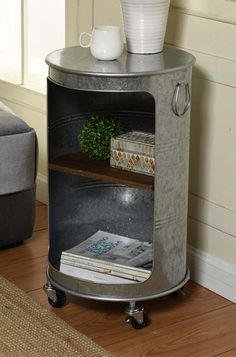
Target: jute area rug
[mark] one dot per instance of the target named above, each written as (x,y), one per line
(27,329)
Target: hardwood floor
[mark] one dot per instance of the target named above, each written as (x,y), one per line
(200,324)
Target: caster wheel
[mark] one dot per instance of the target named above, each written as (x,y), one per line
(138,324)
(59,301)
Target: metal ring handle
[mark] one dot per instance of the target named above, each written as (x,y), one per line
(176,98)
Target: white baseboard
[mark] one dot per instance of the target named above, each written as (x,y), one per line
(212,273)
(42,188)
(206,270)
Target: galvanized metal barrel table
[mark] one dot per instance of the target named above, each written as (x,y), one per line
(149,93)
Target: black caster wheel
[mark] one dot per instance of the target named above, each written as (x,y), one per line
(136,324)
(138,319)
(59,301)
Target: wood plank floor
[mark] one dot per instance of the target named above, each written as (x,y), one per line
(200,324)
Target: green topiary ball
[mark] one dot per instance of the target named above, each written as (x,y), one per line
(95,136)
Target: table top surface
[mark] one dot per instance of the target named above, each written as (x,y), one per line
(77,60)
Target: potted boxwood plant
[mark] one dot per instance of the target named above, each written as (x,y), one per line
(96,134)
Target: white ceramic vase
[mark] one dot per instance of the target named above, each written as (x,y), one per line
(145,24)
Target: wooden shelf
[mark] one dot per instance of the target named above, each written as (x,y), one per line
(77,163)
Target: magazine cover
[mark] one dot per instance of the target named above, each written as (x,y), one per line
(112,248)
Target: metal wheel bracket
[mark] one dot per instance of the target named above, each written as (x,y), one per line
(50,291)
(137,314)
(137,317)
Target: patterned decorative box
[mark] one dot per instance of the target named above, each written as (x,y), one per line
(134,151)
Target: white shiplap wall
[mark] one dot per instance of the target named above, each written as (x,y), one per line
(208,30)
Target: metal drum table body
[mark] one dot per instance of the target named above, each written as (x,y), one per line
(149,93)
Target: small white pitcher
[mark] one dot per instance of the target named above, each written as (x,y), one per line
(105,42)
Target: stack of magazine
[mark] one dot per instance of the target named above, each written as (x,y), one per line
(108,258)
